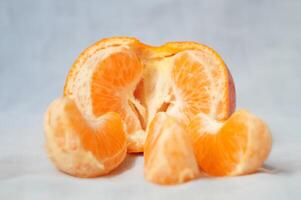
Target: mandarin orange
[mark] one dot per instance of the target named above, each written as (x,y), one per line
(136,80)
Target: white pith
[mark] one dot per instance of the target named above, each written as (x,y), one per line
(209,125)
(82,82)
(216,85)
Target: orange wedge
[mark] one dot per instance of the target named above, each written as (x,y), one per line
(168,154)
(136,80)
(201,83)
(103,79)
(81,147)
(236,146)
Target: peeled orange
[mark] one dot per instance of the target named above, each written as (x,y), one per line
(173,102)
(136,80)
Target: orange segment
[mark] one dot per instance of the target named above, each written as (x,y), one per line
(186,83)
(83,58)
(106,83)
(168,155)
(81,148)
(113,84)
(237,146)
(201,84)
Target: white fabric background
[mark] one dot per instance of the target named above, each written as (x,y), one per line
(259,40)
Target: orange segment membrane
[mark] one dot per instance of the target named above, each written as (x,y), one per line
(236,146)
(168,154)
(104,140)
(113,85)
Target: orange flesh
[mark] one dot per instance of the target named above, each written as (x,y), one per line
(104,138)
(113,83)
(104,141)
(137,81)
(168,155)
(189,77)
(226,148)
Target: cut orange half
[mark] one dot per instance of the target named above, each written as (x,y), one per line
(81,147)
(168,154)
(123,75)
(236,146)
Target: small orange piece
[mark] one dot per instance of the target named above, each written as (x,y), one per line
(236,146)
(168,153)
(83,148)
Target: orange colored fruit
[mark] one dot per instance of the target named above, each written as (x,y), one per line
(175,102)
(168,153)
(83,147)
(136,80)
(236,146)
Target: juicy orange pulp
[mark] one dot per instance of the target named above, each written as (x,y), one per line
(168,154)
(236,146)
(82,148)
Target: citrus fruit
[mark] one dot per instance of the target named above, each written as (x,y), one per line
(136,80)
(175,102)
(81,147)
(236,146)
(168,153)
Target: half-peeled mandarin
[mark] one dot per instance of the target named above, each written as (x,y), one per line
(135,80)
